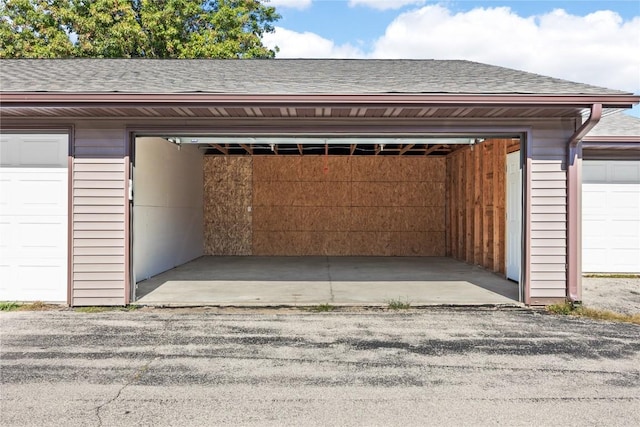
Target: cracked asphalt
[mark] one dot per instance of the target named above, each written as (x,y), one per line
(196,367)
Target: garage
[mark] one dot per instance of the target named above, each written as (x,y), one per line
(610,213)
(299,199)
(33,217)
(295,159)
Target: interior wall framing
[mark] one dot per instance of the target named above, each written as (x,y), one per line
(476,203)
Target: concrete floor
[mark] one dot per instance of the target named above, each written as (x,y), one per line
(370,281)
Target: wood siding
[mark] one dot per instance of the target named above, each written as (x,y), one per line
(476,191)
(99,243)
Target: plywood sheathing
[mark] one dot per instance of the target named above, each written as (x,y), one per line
(345,205)
(476,192)
(227,200)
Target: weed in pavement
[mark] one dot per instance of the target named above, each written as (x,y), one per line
(570,309)
(398,304)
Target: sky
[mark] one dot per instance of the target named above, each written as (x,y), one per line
(587,41)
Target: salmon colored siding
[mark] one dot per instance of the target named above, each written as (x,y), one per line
(98,234)
(548,216)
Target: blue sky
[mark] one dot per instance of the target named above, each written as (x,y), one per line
(596,42)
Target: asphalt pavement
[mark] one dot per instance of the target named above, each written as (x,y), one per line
(200,367)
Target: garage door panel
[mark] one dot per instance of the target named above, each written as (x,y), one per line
(623,198)
(625,229)
(594,172)
(5,190)
(42,238)
(34,192)
(37,280)
(592,199)
(591,230)
(39,275)
(48,150)
(626,256)
(6,234)
(625,173)
(33,217)
(611,216)
(40,152)
(45,193)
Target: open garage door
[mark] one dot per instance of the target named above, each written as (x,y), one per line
(33,217)
(317,197)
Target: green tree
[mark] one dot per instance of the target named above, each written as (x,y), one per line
(32,29)
(135,28)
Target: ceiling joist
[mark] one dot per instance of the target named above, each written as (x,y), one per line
(406,148)
(429,150)
(220,148)
(303,147)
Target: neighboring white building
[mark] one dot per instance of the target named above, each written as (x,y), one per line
(611,196)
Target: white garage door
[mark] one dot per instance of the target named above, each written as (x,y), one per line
(33,217)
(611,216)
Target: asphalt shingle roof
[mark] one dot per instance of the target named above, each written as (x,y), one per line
(281,76)
(618,124)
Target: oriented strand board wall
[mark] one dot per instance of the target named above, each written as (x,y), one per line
(476,193)
(227,202)
(349,205)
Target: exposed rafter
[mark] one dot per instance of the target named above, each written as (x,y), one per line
(406,148)
(220,148)
(429,150)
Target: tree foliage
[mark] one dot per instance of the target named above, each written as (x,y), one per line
(135,28)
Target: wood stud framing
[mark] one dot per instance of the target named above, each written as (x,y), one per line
(476,203)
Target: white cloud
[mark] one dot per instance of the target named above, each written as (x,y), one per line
(307,45)
(292,4)
(384,4)
(599,48)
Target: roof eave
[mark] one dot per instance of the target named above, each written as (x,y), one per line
(615,139)
(53,99)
